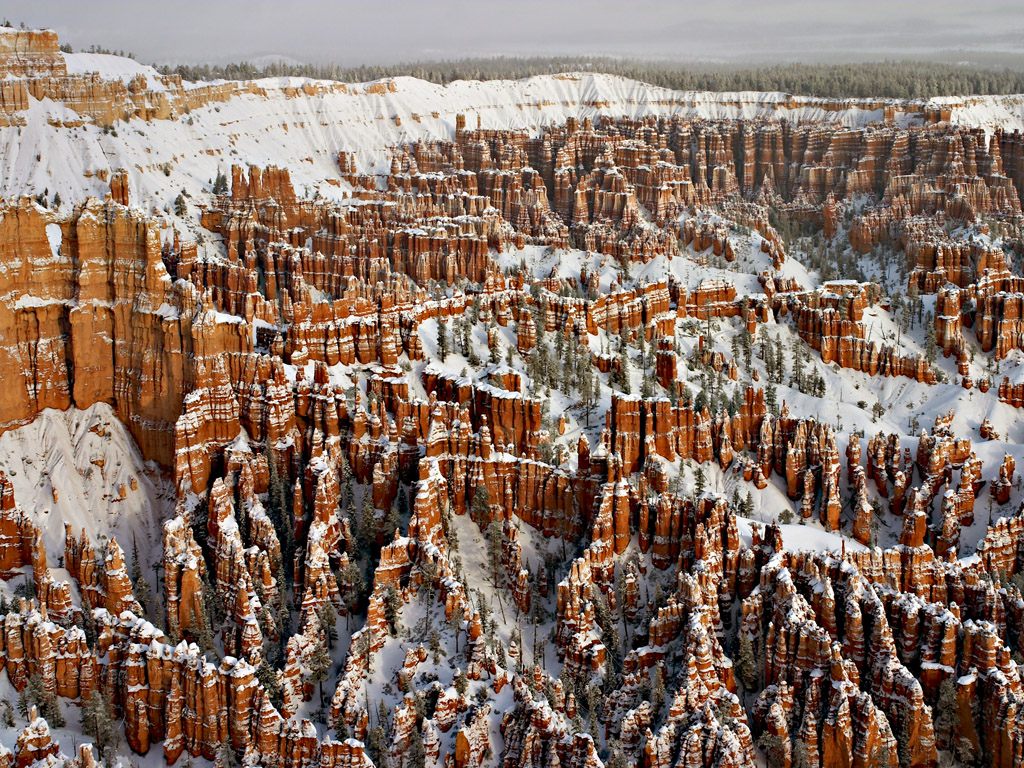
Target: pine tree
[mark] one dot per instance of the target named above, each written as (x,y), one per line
(587,384)
(658,691)
(391,523)
(771,399)
(328,618)
(455,625)
(140,586)
(392,605)
(98,722)
(622,375)
(699,480)
(319,664)
(353,578)
(779,357)
(201,625)
(267,676)
(616,757)
(442,338)
(480,506)
(746,666)
(376,745)
(276,501)
(220,185)
(416,756)
(945,713)
(772,747)
(494,540)
(368,523)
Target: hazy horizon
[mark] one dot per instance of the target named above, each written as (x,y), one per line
(353,33)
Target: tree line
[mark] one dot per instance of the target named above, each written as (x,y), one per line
(900,79)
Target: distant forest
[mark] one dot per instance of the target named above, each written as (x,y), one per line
(886,79)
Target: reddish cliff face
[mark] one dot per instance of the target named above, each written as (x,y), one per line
(93,317)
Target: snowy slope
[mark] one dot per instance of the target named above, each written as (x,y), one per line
(112,68)
(84,468)
(303,124)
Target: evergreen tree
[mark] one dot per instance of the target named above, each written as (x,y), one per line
(276,505)
(442,338)
(494,539)
(771,399)
(376,745)
(416,756)
(220,185)
(201,626)
(267,676)
(319,664)
(779,357)
(434,646)
(622,374)
(391,523)
(480,506)
(587,386)
(328,618)
(98,722)
(945,713)
(658,691)
(368,524)
(353,578)
(772,747)
(140,586)
(616,757)
(746,666)
(392,606)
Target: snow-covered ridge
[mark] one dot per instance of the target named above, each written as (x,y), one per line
(112,68)
(303,125)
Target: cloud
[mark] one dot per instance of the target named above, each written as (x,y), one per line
(352,33)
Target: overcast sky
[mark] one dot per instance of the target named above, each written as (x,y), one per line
(385,31)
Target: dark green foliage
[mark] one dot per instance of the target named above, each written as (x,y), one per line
(268,678)
(99,723)
(376,745)
(746,665)
(220,185)
(480,506)
(882,79)
(392,605)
